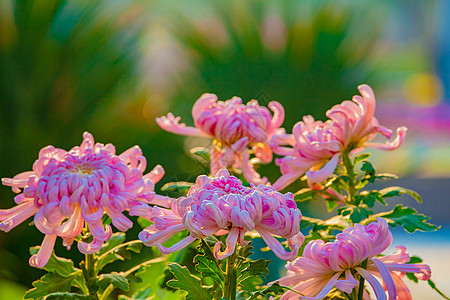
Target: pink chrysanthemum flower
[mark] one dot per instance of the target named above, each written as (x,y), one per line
(327,265)
(234,127)
(221,205)
(67,190)
(316,146)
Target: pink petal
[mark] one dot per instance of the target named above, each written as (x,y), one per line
(276,246)
(178,246)
(376,286)
(387,278)
(40,259)
(231,244)
(326,171)
(401,133)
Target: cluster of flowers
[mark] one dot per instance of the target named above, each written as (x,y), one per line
(68,192)
(327,265)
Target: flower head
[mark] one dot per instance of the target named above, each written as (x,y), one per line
(327,265)
(234,127)
(67,190)
(221,205)
(316,147)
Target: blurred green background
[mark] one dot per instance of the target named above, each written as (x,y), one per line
(111,67)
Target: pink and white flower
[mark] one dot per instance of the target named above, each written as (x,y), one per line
(222,205)
(333,264)
(67,190)
(235,128)
(315,147)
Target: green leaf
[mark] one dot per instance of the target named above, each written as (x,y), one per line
(369,171)
(187,282)
(144,223)
(201,152)
(331,205)
(209,268)
(246,251)
(115,240)
(408,218)
(181,187)
(355,213)
(115,279)
(68,296)
(337,222)
(396,191)
(274,289)
(433,286)
(255,268)
(412,277)
(361,157)
(59,265)
(142,294)
(304,195)
(48,284)
(415,260)
(369,198)
(119,252)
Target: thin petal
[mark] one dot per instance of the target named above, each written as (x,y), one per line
(231,244)
(326,171)
(40,259)
(387,278)
(376,286)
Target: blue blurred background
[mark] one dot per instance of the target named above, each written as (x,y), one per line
(111,67)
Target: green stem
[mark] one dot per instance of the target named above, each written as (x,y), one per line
(361,281)
(229,292)
(351,176)
(90,275)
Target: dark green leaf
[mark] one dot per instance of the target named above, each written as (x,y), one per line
(115,279)
(408,218)
(187,282)
(369,171)
(361,157)
(68,296)
(49,283)
(246,251)
(250,284)
(412,277)
(369,198)
(355,213)
(115,240)
(255,268)
(304,195)
(201,152)
(181,187)
(415,260)
(59,265)
(119,252)
(274,290)
(396,191)
(433,286)
(209,268)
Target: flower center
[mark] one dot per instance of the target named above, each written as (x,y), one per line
(82,168)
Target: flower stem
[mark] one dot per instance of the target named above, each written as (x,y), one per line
(90,275)
(351,176)
(229,292)
(361,281)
